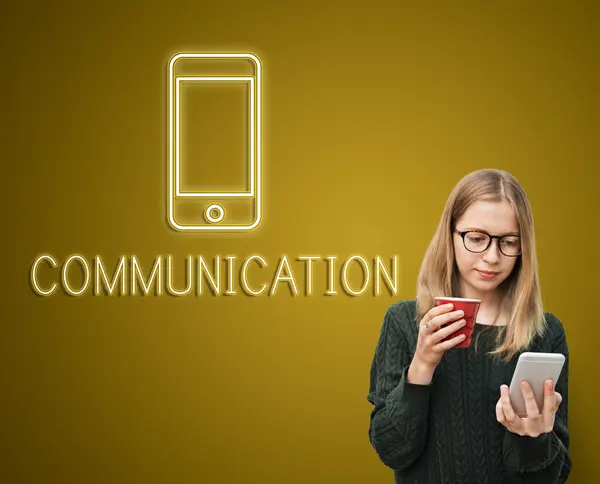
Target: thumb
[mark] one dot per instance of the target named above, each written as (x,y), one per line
(558,399)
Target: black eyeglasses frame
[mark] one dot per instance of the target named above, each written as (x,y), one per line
(492,237)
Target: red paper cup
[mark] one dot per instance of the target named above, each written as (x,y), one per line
(470,308)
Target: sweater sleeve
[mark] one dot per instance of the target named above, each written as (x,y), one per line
(398,424)
(544,459)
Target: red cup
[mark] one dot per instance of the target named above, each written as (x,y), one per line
(470,308)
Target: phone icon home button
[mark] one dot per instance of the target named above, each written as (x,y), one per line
(214,213)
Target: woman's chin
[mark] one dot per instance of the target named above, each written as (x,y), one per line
(485,286)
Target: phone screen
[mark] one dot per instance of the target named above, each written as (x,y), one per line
(214,152)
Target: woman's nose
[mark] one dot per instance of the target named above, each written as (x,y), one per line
(493,251)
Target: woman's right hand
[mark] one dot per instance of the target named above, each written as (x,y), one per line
(430,345)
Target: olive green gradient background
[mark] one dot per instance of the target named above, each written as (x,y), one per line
(372,112)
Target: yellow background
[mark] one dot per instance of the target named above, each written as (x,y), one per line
(372,113)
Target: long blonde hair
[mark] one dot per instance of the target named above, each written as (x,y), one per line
(521,295)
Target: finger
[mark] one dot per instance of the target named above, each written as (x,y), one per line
(448,330)
(500,417)
(550,400)
(531,405)
(437,310)
(441,320)
(507,407)
(559,399)
(548,388)
(446,345)
(426,323)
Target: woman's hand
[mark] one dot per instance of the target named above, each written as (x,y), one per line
(535,423)
(430,345)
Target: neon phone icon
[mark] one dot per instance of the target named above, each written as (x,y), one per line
(203,209)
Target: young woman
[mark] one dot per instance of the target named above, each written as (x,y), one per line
(443,414)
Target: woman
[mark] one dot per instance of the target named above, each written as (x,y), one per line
(443,414)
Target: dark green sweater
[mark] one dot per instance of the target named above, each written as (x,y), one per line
(447,432)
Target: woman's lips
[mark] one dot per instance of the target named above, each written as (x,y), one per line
(487,274)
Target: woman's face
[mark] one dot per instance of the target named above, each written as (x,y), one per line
(493,218)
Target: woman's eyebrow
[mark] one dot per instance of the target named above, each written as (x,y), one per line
(485,231)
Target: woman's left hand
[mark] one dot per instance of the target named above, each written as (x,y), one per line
(535,423)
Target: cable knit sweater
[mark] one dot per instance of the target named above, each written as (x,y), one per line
(447,432)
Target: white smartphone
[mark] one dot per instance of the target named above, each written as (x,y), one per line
(214,130)
(534,368)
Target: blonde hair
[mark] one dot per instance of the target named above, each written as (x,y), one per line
(521,295)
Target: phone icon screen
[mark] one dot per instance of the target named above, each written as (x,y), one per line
(214,131)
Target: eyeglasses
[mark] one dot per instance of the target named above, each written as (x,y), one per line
(510,245)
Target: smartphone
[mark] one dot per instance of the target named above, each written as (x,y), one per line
(535,368)
(214,142)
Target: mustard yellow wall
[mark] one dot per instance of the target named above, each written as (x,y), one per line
(372,112)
